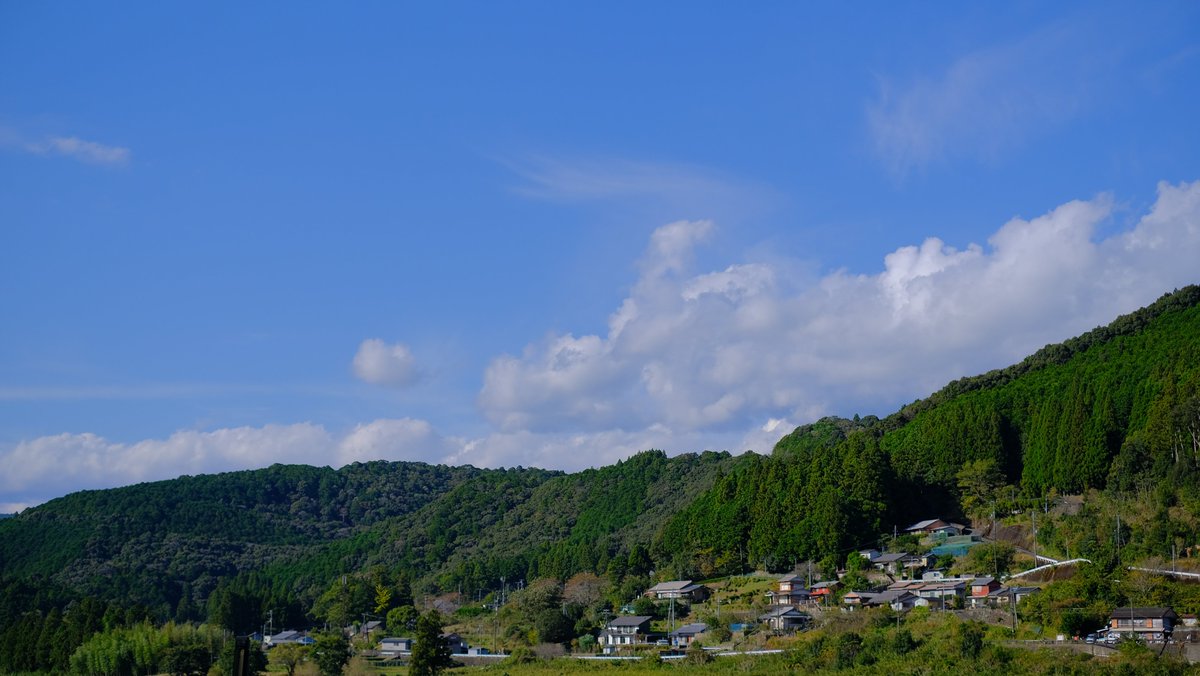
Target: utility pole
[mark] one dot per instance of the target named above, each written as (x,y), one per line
(1033,515)
(1012,601)
(1118,539)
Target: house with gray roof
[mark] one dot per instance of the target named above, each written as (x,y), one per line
(785,619)
(678,589)
(683,636)
(625,632)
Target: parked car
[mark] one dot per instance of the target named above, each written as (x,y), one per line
(1091,638)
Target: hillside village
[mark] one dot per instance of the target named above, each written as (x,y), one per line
(894,582)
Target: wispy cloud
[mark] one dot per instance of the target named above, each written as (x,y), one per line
(986,102)
(681,188)
(84,151)
(73,147)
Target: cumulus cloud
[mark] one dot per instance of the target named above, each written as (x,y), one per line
(396,439)
(724,351)
(383,364)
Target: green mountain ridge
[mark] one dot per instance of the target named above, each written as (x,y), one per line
(1103,410)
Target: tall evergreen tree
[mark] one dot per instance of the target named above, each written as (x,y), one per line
(431,654)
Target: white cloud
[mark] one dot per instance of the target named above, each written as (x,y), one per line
(721,352)
(383,364)
(572,451)
(79,149)
(53,465)
(36,470)
(396,439)
(988,101)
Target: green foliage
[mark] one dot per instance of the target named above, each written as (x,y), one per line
(140,649)
(402,620)
(430,654)
(330,652)
(228,655)
(289,656)
(978,482)
(696,655)
(970,639)
(177,539)
(990,558)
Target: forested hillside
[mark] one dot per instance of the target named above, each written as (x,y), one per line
(156,543)
(1116,410)
(1115,406)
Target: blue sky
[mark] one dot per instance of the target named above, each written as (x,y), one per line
(554,234)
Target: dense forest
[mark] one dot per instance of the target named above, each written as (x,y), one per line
(1114,408)
(1113,413)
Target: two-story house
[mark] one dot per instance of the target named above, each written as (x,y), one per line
(790,591)
(1143,621)
(624,632)
(678,589)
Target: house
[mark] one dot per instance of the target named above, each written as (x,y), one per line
(997,595)
(869,554)
(896,599)
(823,591)
(893,564)
(785,619)
(791,582)
(624,632)
(1143,621)
(288,636)
(367,627)
(1007,595)
(939,592)
(790,592)
(683,636)
(456,643)
(889,563)
(982,586)
(915,562)
(936,527)
(982,592)
(855,599)
(678,589)
(796,597)
(393,646)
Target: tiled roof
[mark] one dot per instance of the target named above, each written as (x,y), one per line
(629,621)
